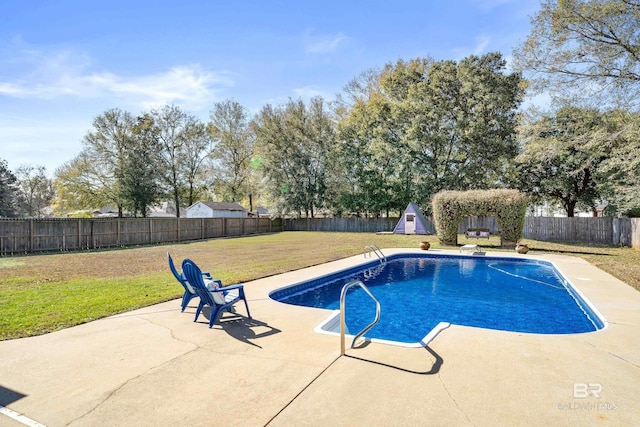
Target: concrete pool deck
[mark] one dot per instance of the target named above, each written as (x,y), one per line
(154,366)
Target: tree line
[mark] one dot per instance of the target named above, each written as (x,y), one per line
(393,135)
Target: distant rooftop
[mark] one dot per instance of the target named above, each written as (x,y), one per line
(224,206)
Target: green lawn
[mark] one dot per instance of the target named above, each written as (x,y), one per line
(44,293)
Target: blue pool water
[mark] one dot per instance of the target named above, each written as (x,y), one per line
(416,292)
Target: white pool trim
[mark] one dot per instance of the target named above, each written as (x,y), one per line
(331,326)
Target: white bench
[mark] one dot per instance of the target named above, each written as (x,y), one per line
(469,249)
(477,233)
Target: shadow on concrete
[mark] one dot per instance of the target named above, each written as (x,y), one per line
(241,327)
(8,396)
(435,367)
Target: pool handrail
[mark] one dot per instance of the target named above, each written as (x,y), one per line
(343,295)
(376,250)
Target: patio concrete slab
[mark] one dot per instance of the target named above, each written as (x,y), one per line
(154,366)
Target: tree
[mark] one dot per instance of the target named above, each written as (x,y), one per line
(92,179)
(621,167)
(139,175)
(129,163)
(460,123)
(34,188)
(590,46)
(358,89)
(230,128)
(199,146)
(295,143)
(184,145)
(8,191)
(562,158)
(76,188)
(430,125)
(371,156)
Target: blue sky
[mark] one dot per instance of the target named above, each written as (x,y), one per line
(62,63)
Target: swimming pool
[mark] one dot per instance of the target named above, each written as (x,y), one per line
(422,292)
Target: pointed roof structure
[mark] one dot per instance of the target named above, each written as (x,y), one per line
(415,215)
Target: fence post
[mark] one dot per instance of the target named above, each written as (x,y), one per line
(178,229)
(150,231)
(31,231)
(79,234)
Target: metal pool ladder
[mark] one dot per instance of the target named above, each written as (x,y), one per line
(343,296)
(369,249)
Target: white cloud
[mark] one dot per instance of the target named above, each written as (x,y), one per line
(11,89)
(309,92)
(323,44)
(181,85)
(481,43)
(47,99)
(64,74)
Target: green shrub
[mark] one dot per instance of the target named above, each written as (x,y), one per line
(451,207)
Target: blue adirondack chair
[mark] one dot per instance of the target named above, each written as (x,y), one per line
(189,292)
(219,301)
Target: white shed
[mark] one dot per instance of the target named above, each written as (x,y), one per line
(216,210)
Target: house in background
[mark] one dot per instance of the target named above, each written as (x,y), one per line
(216,210)
(106,212)
(547,209)
(261,212)
(166,209)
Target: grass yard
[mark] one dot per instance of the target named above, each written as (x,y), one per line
(44,293)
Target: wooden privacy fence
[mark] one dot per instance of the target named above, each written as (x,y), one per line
(346,225)
(601,230)
(374,225)
(38,235)
(590,230)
